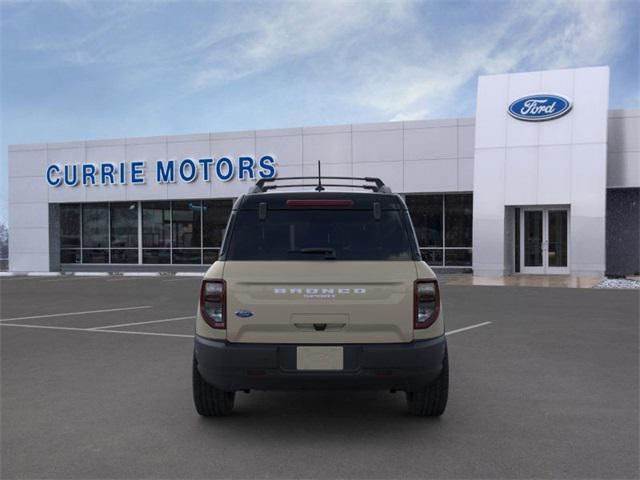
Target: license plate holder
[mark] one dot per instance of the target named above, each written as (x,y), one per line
(320,358)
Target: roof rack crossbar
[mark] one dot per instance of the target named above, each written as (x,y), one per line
(379,186)
(277,187)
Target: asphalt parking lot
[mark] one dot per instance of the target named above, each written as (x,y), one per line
(96,383)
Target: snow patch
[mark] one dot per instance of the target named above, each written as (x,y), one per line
(625,283)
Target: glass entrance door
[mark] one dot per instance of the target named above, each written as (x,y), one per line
(557,241)
(533,240)
(544,240)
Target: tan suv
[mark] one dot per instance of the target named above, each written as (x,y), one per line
(320,290)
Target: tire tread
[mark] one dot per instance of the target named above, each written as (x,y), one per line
(210,401)
(432,401)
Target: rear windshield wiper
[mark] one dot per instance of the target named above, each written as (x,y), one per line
(329,253)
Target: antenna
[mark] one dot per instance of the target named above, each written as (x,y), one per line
(319,188)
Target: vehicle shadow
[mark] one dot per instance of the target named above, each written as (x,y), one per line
(293,414)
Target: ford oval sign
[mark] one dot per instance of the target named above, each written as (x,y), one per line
(536,108)
(244,313)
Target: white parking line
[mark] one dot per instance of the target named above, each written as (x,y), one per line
(451,332)
(159,334)
(142,323)
(74,313)
(75,329)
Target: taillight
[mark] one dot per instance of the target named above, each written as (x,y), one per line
(426,303)
(212,303)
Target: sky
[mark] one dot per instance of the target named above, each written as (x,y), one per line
(77,70)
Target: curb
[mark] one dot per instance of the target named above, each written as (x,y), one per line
(140,274)
(89,274)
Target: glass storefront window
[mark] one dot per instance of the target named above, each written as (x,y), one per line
(180,232)
(186,255)
(156,224)
(210,255)
(186,224)
(90,255)
(458,211)
(95,225)
(70,255)
(124,225)
(444,221)
(190,232)
(156,255)
(70,237)
(215,214)
(457,257)
(69,226)
(433,256)
(426,214)
(127,255)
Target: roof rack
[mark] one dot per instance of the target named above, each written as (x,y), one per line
(378,185)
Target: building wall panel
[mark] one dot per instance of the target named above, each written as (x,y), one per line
(431,143)
(377,146)
(327,148)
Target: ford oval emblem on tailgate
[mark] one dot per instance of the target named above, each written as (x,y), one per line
(244,314)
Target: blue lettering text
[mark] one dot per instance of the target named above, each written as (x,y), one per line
(71,175)
(165,174)
(106,173)
(51,180)
(206,168)
(137,172)
(192,170)
(246,165)
(267,168)
(222,162)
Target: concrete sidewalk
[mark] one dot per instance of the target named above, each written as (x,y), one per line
(521,280)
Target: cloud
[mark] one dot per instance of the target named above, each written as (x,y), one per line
(94,33)
(221,42)
(531,36)
(395,59)
(293,31)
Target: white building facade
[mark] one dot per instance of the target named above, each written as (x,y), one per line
(545,179)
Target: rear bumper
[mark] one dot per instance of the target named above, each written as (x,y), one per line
(397,366)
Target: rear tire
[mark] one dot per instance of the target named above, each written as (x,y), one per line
(432,401)
(210,401)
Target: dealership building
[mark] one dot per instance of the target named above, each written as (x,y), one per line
(544,180)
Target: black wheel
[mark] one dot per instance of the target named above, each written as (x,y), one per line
(210,401)
(432,401)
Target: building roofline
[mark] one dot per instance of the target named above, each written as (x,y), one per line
(310,130)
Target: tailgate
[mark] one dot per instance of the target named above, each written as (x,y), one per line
(319,302)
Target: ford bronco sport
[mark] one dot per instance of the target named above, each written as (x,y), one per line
(320,290)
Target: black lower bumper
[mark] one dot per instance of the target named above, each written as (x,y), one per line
(396,366)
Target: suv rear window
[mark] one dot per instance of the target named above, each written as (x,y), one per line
(312,234)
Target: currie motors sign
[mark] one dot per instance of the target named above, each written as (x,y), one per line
(540,107)
(162,171)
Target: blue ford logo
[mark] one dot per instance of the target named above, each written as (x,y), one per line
(536,108)
(244,314)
